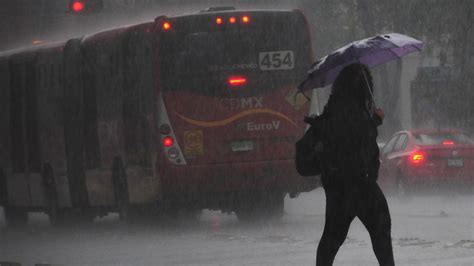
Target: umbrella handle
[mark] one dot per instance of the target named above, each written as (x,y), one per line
(300,90)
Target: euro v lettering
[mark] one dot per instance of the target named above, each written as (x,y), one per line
(274,125)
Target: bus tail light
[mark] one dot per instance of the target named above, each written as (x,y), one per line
(237,80)
(166,26)
(168,142)
(417,158)
(448,142)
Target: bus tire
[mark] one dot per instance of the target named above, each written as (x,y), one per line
(184,215)
(120,186)
(56,217)
(3,189)
(15,217)
(276,208)
(260,207)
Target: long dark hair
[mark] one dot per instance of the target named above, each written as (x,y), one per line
(354,82)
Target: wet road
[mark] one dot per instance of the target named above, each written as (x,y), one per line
(426,230)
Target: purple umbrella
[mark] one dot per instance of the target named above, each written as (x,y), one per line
(371,52)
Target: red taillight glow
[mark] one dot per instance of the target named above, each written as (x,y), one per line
(36,42)
(417,158)
(77,6)
(219,21)
(237,80)
(166,26)
(448,142)
(245,19)
(168,142)
(232,20)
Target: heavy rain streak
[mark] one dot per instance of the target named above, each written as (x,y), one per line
(159,132)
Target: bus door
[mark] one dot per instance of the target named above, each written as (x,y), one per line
(74,84)
(24,185)
(5,160)
(4,116)
(51,120)
(103,92)
(143,186)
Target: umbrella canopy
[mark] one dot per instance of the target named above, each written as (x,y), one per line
(371,52)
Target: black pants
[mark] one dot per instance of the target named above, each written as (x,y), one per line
(365,200)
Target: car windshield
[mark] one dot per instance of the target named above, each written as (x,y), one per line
(440,138)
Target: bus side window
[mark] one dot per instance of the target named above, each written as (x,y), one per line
(24,121)
(16,118)
(31,108)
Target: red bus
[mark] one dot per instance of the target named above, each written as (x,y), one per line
(227,96)
(185,113)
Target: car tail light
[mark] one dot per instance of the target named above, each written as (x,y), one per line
(219,21)
(237,80)
(417,157)
(168,142)
(245,19)
(232,20)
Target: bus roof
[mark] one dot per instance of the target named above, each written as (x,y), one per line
(231,11)
(112,32)
(33,49)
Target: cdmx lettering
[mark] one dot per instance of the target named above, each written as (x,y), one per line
(241,103)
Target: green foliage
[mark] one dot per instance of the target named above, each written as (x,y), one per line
(444,25)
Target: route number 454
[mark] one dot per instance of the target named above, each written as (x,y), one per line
(276,60)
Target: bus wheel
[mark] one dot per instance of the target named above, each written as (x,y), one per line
(51,195)
(185,215)
(15,217)
(119,179)
(257,207)
(276,206)
(3,189)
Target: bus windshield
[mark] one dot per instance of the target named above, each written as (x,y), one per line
(267,53)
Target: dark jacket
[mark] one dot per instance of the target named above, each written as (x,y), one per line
(351,149)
